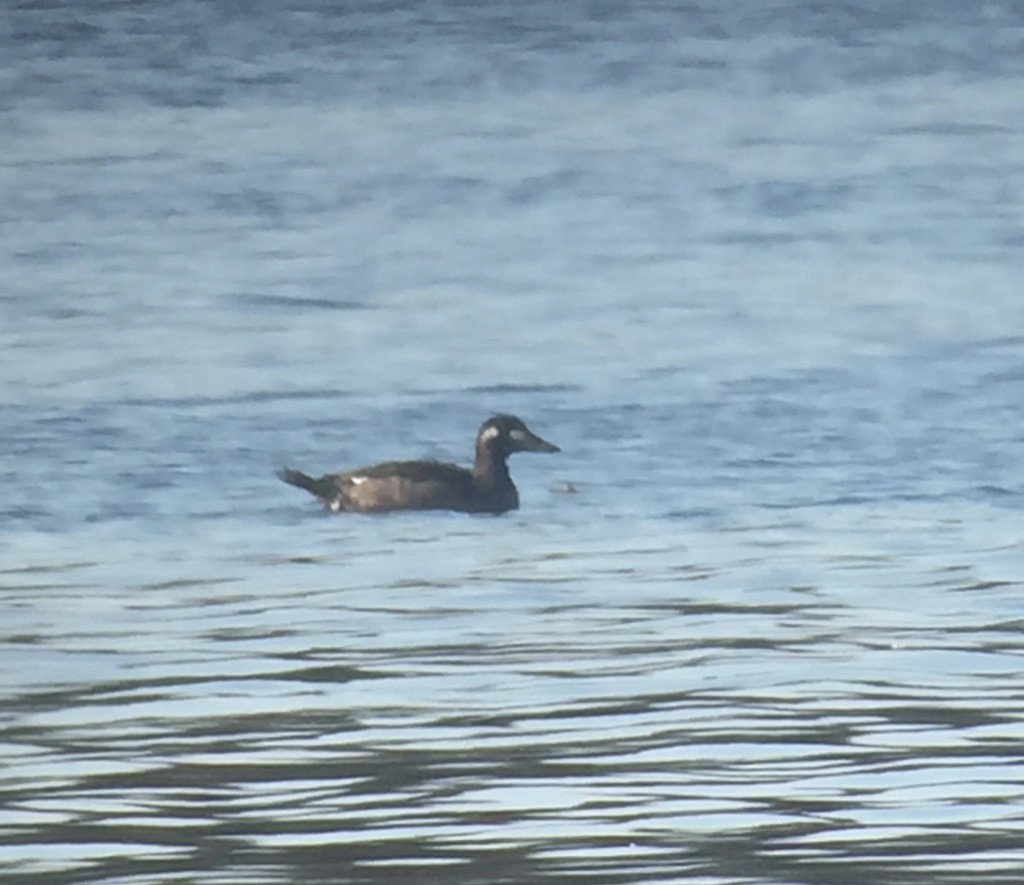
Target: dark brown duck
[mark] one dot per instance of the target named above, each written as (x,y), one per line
(432,485)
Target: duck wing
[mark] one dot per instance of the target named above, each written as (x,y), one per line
(404,485)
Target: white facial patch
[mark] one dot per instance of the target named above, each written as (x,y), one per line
(489,434)
(517,436)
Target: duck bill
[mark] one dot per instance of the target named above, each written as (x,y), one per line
(534,443)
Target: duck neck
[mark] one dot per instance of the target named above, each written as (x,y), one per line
(490,468)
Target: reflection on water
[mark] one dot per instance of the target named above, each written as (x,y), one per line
(666,710)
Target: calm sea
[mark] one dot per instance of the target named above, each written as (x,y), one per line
(755,266)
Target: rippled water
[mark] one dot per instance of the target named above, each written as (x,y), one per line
(754,267)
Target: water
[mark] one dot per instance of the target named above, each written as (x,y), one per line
(753,266)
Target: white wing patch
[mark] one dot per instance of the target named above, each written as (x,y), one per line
(357,480)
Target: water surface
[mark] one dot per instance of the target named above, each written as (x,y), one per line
(754,267)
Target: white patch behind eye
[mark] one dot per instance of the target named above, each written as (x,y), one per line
(489,434)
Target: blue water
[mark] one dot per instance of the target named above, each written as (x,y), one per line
(755,267)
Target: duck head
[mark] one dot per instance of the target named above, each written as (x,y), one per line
(502,435)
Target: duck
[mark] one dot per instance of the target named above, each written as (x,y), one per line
(432,485)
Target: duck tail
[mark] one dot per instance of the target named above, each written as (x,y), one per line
(303,481)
